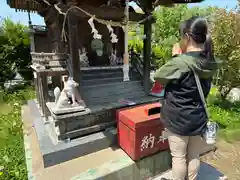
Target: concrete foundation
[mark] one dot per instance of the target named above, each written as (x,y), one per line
(54,152)
(206,172)
(70,125)
(107,164)
(84,159)
(124,168)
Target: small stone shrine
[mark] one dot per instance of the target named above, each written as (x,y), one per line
(84,71)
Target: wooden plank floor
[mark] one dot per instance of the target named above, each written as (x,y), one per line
(107,86)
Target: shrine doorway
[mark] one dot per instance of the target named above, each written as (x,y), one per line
(99,52)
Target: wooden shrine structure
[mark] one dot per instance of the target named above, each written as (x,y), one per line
(70,45)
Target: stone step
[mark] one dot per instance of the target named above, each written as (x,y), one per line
(98,70)
(111,92)
(100,75)
(115,98)
(127,93)
(206,172)
(112,86)
(99,81)
(124,168)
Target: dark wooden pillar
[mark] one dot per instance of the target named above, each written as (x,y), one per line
(120,44)
(73,45)
(58,44)
(147,54)
(40,90)
(45,95)
(55,35)
(54,23)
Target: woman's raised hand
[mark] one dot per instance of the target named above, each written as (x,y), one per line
(176,49)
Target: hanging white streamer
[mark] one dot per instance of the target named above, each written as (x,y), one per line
(45,1)
(112,35)
(123,28)
(136,8)
(96,35)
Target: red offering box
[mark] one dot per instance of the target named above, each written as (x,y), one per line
(140,130)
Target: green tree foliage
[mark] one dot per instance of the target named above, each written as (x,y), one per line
(226,37)
(14,49)
(166,28)
(167,22)
(135,41)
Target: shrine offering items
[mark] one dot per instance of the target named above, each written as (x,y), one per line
(157,90)
(140,131)
(128,102)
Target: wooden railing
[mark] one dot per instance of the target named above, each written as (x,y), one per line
(48,69)
(49,60)
(137,63)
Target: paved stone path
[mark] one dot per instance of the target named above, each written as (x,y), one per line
(207,172)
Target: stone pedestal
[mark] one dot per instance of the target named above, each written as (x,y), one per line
(66,110)
(74,122)
(54,150)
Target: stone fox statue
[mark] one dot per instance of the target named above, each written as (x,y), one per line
(69,95)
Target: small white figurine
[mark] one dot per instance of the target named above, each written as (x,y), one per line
(83,57)
(69,95)
(57,93)
(113,58)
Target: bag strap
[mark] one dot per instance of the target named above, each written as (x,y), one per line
(200,90)
(199,86)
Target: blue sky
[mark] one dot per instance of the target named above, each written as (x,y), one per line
(219,3)
(6,11)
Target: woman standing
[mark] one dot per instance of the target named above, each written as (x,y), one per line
(183,112)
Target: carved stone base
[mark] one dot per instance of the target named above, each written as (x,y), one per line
(69,123)
(55,152)
(68,109)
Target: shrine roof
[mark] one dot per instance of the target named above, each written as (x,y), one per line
(25,5)
(35,5)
